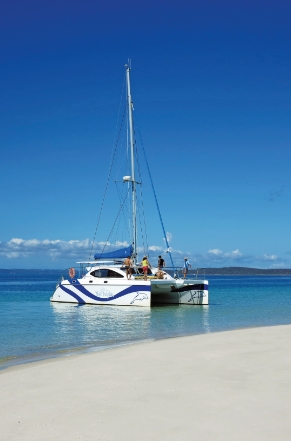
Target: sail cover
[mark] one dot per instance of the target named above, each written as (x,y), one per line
(117,254)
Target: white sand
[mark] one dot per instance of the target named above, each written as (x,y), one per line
(225,386)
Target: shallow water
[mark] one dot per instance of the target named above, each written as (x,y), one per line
(33,328)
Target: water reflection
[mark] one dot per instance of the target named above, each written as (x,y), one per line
(102,324)
(205,318)
(93,325)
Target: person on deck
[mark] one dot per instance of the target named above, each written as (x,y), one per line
(186,267)
(128,265)
(161,262)
(145,267)
(160,274)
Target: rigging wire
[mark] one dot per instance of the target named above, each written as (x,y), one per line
(110,167)
(118,232)
(125,210)
(117,138)
(145,244)
(120,208)
(125,155)
(157,204)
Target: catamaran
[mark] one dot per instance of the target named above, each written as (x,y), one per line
(104,281)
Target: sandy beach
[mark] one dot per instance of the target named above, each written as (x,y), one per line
(233,385)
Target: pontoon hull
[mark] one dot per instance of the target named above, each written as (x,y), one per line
(122,294)
(180,291)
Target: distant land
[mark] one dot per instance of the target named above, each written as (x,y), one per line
(241,271)
(224,271)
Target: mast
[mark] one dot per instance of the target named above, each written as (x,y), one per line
(133,183)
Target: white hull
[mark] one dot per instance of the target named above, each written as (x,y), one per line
(132,292)
(122,293)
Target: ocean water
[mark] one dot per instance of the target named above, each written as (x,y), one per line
(32,328)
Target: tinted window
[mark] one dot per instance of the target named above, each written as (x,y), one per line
(106,273)
(100,273)
(114,274)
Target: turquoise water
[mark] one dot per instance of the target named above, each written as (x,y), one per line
(33,328)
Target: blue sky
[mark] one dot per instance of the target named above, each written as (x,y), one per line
(211,88)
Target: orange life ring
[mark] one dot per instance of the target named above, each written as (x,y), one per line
(72,273)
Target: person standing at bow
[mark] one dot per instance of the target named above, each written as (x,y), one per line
(161,262)
(186,267)
(128,265)
(145,267)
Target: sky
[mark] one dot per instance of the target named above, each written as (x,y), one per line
(211,89)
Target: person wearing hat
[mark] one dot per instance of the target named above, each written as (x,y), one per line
(145,266)
(186,267)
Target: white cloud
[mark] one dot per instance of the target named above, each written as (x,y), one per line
(13,255)
(235,254)
(74,250)
(279,265)
(218,258)
(271,257)
(217,254)
(16,241)
(215,251)
(121,244)
(155,248)
(55,249)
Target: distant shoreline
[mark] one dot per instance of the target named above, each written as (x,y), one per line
(224,271)
(241,271)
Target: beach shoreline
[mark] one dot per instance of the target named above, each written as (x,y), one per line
(223,386)
(18,361)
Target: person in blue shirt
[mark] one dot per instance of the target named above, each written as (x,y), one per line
(186,267)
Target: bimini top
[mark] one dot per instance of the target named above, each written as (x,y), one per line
(117,254)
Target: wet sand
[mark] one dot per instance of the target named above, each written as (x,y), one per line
(233,385)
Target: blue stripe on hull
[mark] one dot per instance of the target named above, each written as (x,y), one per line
(68,291)
(83,290)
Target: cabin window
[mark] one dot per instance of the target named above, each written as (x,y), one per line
(100,273)
(114,274)
(104,273)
